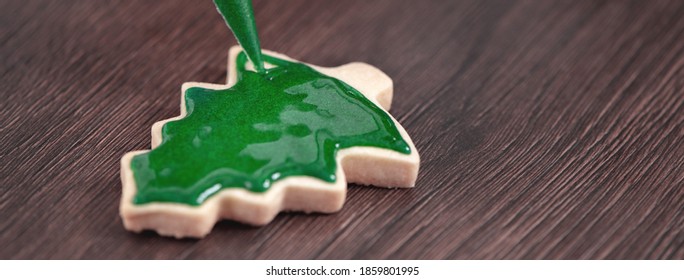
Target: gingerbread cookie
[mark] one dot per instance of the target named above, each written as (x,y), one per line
(279,136)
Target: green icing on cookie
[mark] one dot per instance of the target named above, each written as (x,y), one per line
(289,120)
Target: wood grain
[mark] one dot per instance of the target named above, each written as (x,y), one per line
(547,129)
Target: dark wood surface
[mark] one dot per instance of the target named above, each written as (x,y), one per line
(547,129)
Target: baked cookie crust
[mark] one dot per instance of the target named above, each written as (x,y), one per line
(361,165)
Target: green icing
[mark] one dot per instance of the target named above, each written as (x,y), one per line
(239,15)
(290,120)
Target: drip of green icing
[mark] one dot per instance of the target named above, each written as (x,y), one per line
(239,16)
(288,121)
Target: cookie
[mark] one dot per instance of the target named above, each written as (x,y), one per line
(244,152)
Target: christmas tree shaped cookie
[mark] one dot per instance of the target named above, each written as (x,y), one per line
(279,136)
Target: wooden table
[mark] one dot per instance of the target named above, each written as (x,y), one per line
(547,129)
